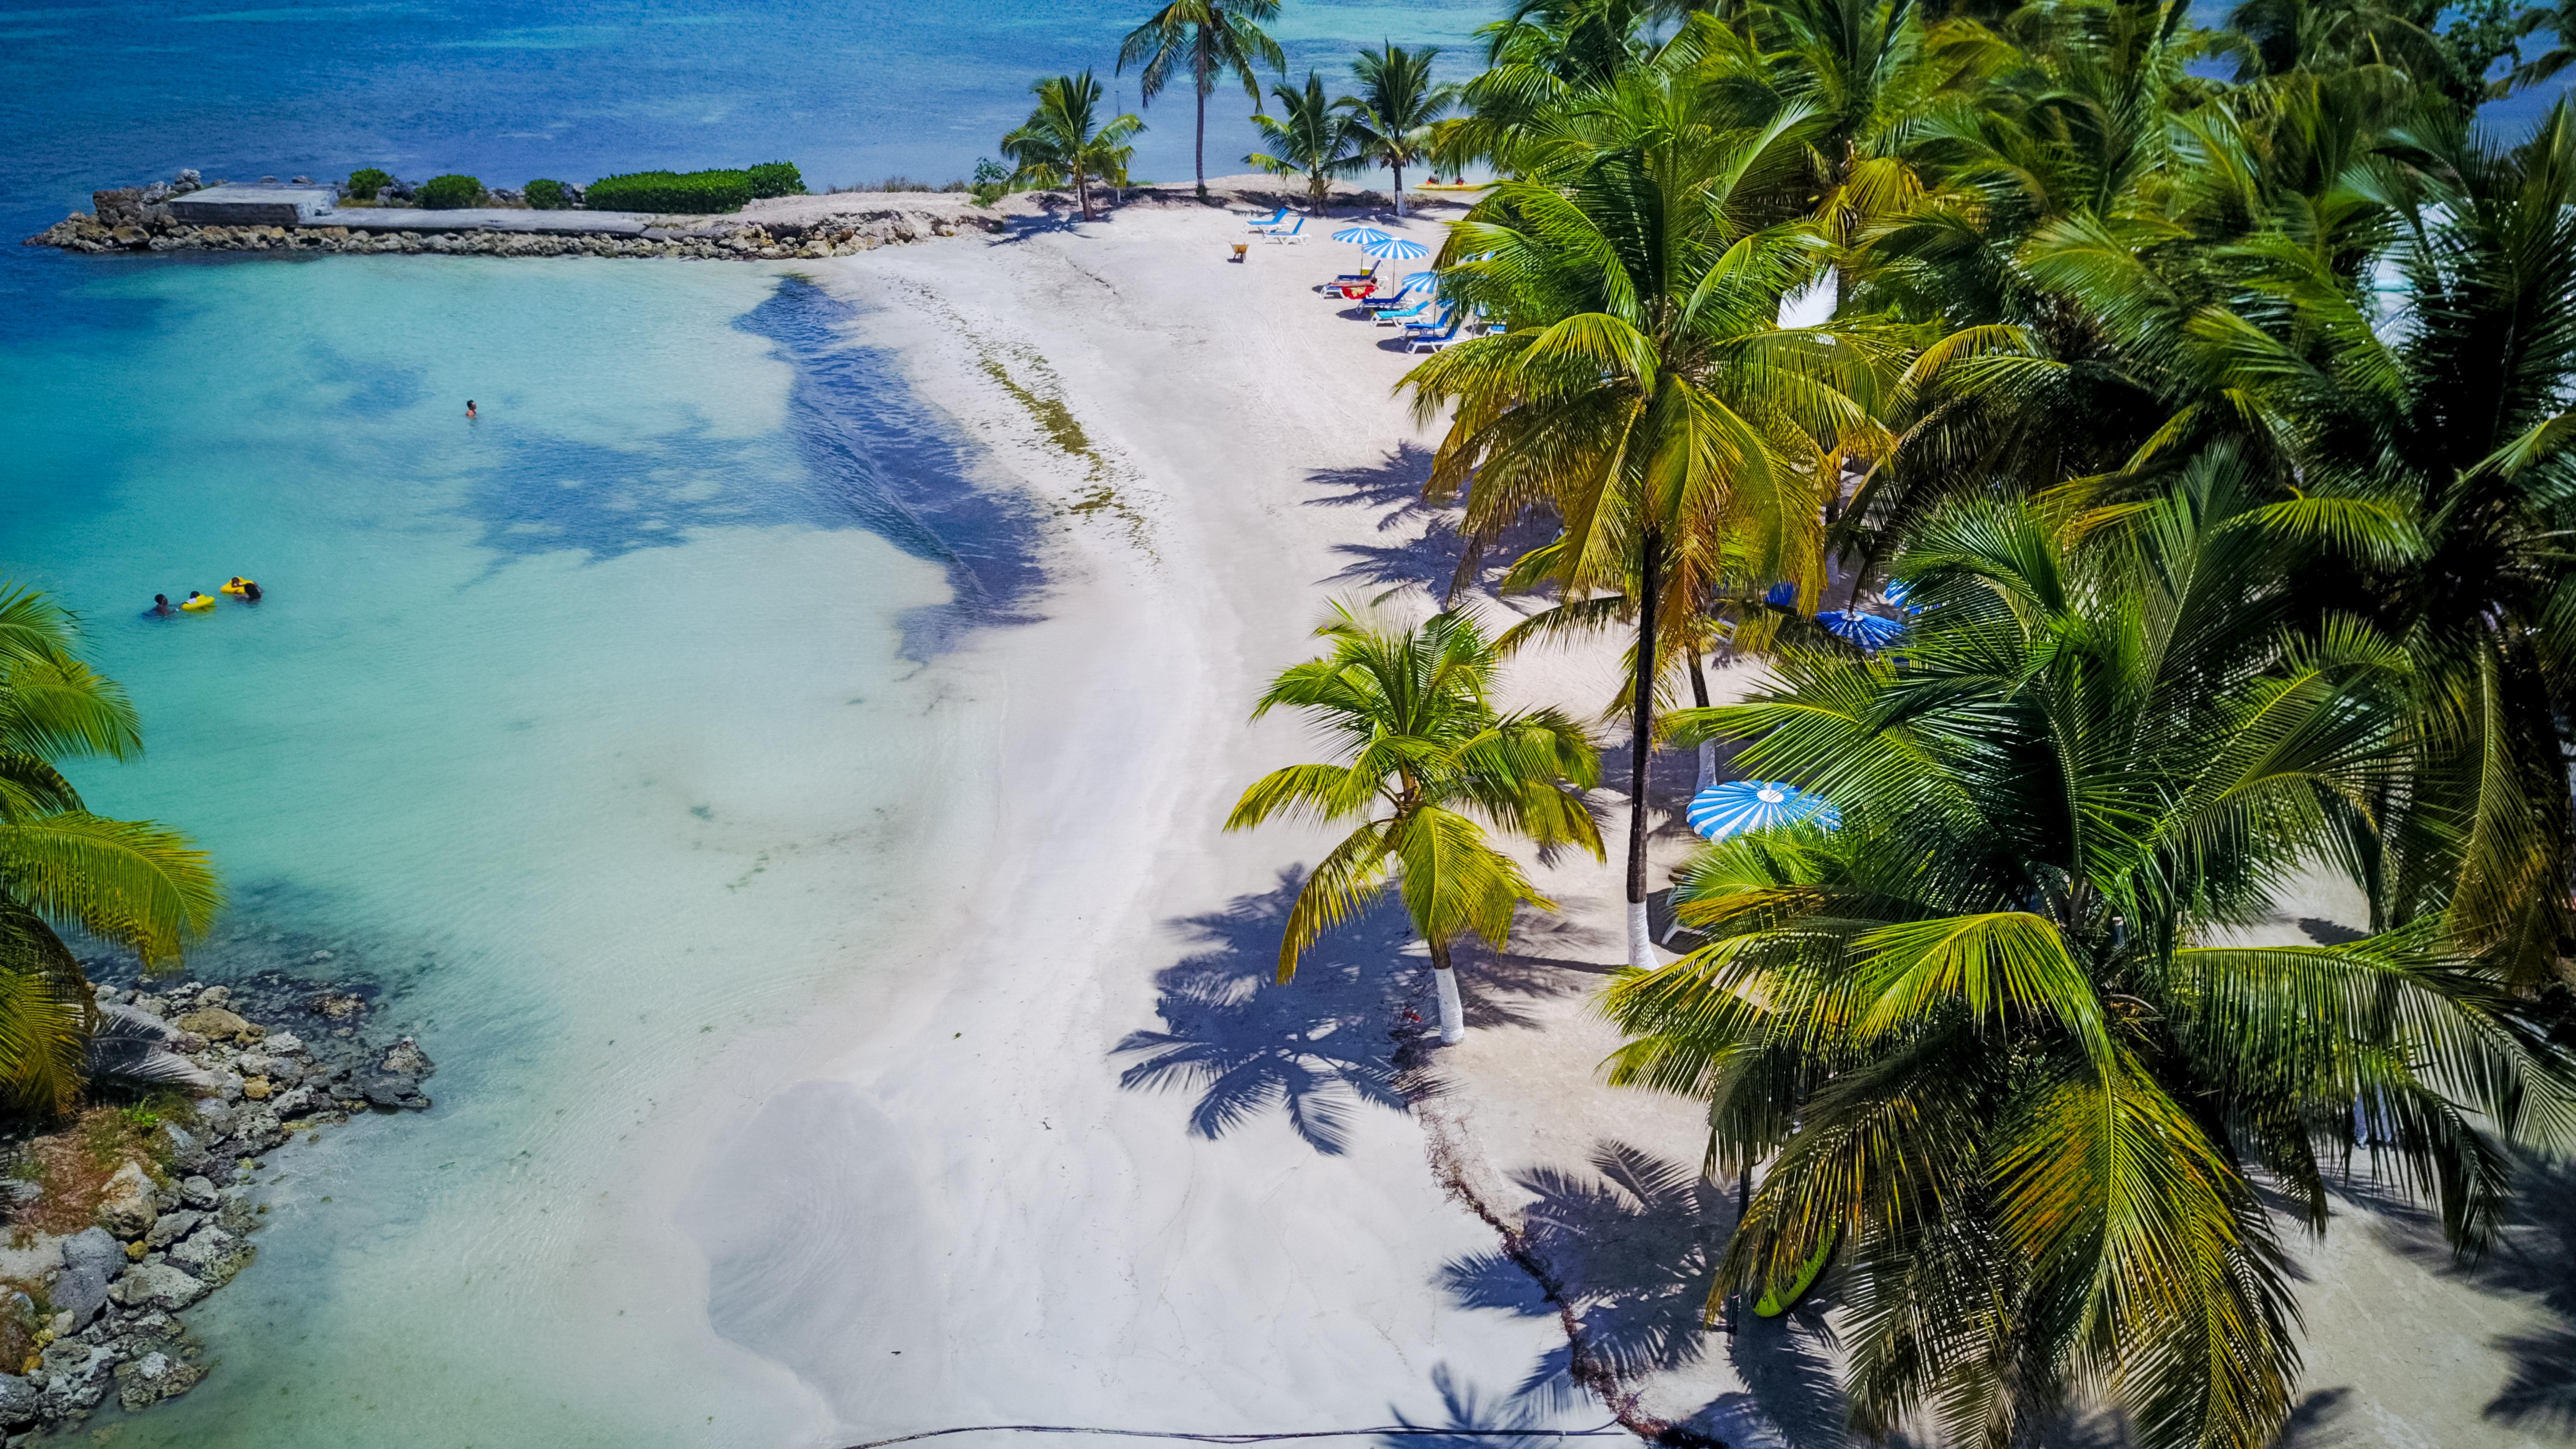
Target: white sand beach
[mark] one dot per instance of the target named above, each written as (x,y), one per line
(1066,1158)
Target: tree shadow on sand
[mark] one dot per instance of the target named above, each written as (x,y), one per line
(2535,1263)
(1635,1244)
(1474,1415)
(1355,1029)
(1424,543)
(1315,1049)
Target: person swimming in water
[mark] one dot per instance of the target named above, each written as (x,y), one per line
(250,592)
(469,409)
(161,607)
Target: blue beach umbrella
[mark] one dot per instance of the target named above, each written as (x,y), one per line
(1897,593)
(1364,235)
(1396,249)
(1737,806)
(1869,631)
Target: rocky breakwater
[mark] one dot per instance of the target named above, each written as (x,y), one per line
(139,220)
(131,1214)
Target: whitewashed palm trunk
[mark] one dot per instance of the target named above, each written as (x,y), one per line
(1453,1013)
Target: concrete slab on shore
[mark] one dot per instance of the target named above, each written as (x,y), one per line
(395,218)
(254,205)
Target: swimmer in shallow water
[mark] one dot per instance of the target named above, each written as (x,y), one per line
(250,592)
(161,607)
(469,409)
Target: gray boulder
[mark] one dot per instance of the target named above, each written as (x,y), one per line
(258,1130)
(385,1089)
(91,1259)
(211,1254)
(19,1402)
(172,1227)
(153,1377)
(125,1204)
(157,1285)
(198,1192)
(405,1059)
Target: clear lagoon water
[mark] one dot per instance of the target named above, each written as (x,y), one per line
(604,732)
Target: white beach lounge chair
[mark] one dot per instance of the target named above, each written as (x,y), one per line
(1265,223)
(1293,233)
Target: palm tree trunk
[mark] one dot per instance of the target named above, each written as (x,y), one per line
(1641,946)
(1707,748)
(1453,1017)
(1398,168)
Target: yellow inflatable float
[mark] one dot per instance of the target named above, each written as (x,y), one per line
(198,603)
(239,586)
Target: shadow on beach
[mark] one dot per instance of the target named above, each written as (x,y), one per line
(1635,1243)
(1314,1050)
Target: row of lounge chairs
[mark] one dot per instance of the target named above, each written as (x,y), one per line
(1428,324)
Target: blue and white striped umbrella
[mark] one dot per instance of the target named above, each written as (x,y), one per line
(1782,595)
(1417,283)
(1869,631)
(1364,235)
(1897,593)
(1396,249)
(1736,806)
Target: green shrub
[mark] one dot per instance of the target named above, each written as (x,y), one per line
(776,178)
(448,193)
(548,196)
(366,182)
(694,191)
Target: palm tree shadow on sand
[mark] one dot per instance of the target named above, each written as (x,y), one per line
(1317,1049)
(2535,1264)
(1635,1244)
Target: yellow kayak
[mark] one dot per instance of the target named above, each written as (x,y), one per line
(1779,1298)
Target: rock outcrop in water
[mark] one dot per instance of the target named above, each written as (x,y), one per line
(139,219)
(103,1257)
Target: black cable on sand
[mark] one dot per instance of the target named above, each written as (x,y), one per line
(1393,1431)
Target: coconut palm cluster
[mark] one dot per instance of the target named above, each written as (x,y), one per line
(2188,408)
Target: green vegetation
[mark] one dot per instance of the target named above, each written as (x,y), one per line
(134,884)
(1207,41)
(775,178)
(693,192)
(546,195)
(1312,138)
(1421,757)
(365,182)
(992,181)
(450,192)
(1064,143)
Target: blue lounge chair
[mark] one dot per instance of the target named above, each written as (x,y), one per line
(1265,223)
(1448,318)
(1433,341)
(1390,316)
(1291,233)
(1365,274)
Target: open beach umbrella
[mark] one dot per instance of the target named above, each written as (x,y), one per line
(1396,249)
(1364,235)
(1896,594)
(1736,806)
(1869,631)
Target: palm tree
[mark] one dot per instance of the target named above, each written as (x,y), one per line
(1991,1031)
(1063,143)
(1398,105)
(1421,757)
(1209,39)
(1313,137)
(1643,389)
(131,883)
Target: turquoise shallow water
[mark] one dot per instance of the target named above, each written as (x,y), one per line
(595,729)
